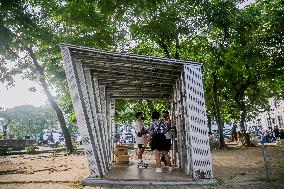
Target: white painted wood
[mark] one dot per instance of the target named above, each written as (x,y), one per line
(96,78)
(196,124)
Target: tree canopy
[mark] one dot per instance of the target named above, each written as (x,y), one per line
(28,120)
(241,49)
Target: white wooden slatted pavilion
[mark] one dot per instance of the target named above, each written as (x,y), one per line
(96,78)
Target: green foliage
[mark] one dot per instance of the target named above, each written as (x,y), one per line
(31,37)
(126,110)
(237,47)
(28,120)
(250,65)
(241,49)
(75,146)
(72,128)
(62,145)
(4,150)
(30,149)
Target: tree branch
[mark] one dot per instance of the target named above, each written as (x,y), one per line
(164,47)
(177,46)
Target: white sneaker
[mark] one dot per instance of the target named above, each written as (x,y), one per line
(171,168)
(159,170)
(139,161)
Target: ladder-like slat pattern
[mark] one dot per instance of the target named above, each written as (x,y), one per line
(95,121)
(78,104)
(105,127)
(94,105)
(196,128)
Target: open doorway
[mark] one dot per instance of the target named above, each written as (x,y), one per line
(97,78)
(133,116)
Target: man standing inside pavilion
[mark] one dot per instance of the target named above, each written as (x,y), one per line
(140,137)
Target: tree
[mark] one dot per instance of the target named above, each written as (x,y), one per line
(28,120)
(241,49)
(254,58)
(217,33)
(35,29)
(4,122)
(22,27)
(237,53)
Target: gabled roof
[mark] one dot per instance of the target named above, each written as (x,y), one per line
(129,76)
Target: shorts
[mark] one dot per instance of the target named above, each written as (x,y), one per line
(168,145)
(141,146)
(158,142)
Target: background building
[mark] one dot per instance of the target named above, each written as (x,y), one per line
(272,118)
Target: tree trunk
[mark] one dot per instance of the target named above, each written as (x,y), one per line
(243,115)
(5,131)
(217,110)
(242,124)
(5,126)
(234,132)
(209,123)
(53,103)
(164,47)
(177,46)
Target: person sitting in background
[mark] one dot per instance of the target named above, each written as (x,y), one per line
(234,136)
(211,136)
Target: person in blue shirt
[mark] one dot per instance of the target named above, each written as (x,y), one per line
(158,128)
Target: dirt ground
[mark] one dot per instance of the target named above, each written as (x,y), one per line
(243,168)
(233,168)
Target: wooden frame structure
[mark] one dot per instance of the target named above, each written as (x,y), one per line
(96,78)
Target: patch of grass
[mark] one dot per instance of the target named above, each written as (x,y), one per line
(77,185)
(30,149)
(220,181)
